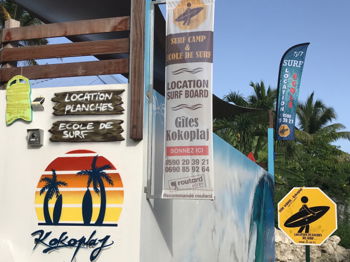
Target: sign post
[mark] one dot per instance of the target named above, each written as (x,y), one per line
(307,216)
(307,253)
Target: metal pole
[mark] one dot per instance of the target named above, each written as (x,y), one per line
(307,253)
(149,89)
(271,146)
(149,64)
(271,153)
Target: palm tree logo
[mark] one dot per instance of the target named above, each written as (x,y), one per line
(96,176)
(51,188)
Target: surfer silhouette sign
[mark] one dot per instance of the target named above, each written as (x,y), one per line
(307,215)
(189,14)
(186,16)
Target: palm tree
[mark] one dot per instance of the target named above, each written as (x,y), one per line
(248,132)
(314,121)
(51,186)
(239,131)
(262,98)
(96,175)
(10,10)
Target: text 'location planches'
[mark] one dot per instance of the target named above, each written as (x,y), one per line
(102,102)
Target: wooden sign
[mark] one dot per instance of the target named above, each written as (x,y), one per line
(87,131)
(18,100)
(102,102)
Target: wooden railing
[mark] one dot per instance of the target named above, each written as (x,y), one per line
(131,64)
(106,25)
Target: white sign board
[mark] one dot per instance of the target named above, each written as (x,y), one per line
(188,154)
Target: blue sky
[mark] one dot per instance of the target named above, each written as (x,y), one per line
(252,35)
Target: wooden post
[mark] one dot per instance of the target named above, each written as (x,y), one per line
(136,68)
(10,23)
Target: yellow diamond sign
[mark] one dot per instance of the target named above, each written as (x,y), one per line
(307,215)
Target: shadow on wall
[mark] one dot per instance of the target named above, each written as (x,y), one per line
(5,251)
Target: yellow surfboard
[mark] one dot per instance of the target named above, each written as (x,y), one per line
(18,101)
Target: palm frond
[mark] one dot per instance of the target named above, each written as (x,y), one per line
(314,115)
(107,178)
(327,115)
(43,189)
(341,135)
(333,127)
(103,168)
(93,163)
(4,13)
(303,136)
(84,172)
(61,183)
(236,98)
(46,179)
(9,9)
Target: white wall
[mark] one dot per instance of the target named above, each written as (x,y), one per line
(148,230)
(20,171)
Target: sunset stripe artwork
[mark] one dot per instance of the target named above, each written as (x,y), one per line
(80,188)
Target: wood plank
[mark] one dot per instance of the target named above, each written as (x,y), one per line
(94,102)
(102,47)
(93,26)
(10,23)
(104,67)
(87,131)
(136,76)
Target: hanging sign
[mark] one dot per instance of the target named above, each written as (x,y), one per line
(291,69)
(18,102)
(188,154)
(87,131)
(101,102)
(307,216)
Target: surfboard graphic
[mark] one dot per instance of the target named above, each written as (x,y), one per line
(188,15)
(303,218)
(18,102)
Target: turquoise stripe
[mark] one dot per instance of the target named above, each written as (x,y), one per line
(271,153)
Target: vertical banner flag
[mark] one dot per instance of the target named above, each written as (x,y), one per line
(188,154)
(291,69)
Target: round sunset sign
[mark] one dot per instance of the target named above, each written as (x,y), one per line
(80,188)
